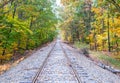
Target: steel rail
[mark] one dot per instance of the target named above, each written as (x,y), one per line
(71,65)
(44,63)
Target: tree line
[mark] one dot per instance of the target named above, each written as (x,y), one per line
(94,22)
(25,25)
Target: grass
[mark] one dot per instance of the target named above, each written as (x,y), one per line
(100,56)
(109,60)
(81,45)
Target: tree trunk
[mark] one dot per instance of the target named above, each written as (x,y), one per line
(108,23)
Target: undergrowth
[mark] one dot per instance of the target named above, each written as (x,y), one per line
(100,55)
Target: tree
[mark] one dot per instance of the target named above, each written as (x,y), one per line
(25,25)
(94,22)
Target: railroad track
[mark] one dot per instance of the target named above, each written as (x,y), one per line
(59,64)
(71,65)
(44,63)
(79,70)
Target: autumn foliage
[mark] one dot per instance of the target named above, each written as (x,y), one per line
(94,22)
(25,25)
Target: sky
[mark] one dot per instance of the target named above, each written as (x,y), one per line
(56,7)
(58,2)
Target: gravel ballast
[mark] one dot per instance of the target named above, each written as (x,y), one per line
(93,71)
(57,69)
(26,69)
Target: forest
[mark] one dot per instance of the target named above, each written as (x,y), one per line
(94,22)
(25,25)
(93,26)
